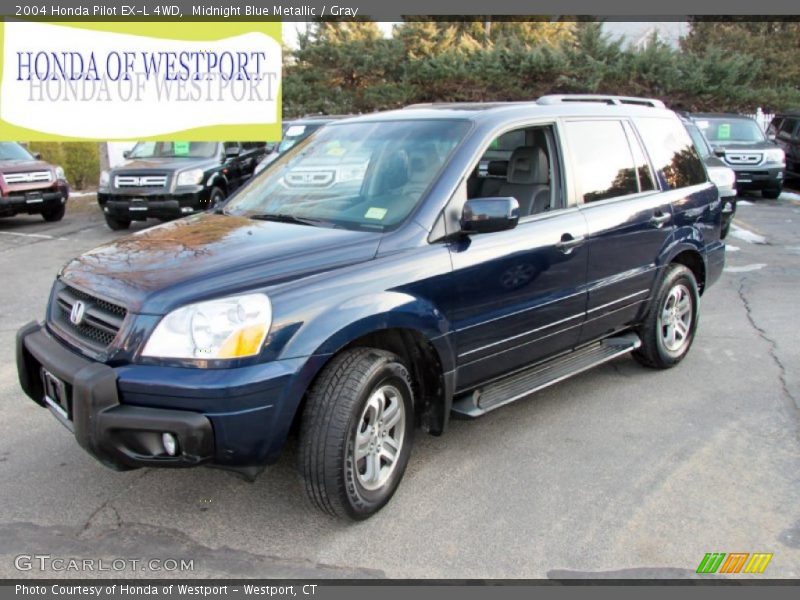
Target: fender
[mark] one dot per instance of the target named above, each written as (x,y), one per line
(338,325)
(216,176)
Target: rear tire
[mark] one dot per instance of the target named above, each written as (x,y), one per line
(670,325)
(356,433)
(54,214)
(118,224)
(216,198)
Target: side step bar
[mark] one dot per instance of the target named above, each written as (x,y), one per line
(523,383)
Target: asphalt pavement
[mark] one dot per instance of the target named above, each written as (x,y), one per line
(618,472)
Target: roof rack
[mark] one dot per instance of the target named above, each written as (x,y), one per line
(613,100)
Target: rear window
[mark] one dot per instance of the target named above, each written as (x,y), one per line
(603,161)
(672,151)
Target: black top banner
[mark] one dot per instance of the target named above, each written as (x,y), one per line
(380,10)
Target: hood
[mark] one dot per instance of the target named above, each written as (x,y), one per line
(165,164)
(765,145)
(17,166)
(211,255)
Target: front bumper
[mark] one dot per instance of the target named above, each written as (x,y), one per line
(758,178)
(32,202)
(228,417)
(154,206)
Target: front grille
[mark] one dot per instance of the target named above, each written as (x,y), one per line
(743,158)
(100,320)
(29,177)
(137,181)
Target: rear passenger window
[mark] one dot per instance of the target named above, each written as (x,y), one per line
(603,161)
(787,128)
(672,152)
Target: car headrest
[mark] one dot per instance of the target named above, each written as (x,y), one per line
(528,166)
(498,168)
(393,171)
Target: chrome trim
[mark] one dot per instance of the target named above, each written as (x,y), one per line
(617,301)
(28,177)
(519,335)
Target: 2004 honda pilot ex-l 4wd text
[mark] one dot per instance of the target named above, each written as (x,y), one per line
(388,271)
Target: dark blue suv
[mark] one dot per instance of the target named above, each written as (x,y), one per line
(387,272)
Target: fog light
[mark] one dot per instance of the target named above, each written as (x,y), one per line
(187,209)
(105,209)
(170,444)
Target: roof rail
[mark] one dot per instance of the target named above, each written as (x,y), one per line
(614,100)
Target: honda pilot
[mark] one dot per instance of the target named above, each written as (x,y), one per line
(393,270)
(168,180)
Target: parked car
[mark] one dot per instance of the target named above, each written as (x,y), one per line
(758,162)
(29,185)
(722,176)
(167,180)
(357,315)
(784,130)
(294,132)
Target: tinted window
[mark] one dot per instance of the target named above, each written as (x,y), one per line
(787,128)
(672,152)
(603,160)
(13,151)
(646,182)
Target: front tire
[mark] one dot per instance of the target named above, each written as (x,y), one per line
(356,433)
(670,325)
(54,214)
(772,194)
(118,224)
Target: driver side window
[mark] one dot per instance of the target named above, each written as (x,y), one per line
(521,164)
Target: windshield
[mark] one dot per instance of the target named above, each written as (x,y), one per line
(353,175)
(13,151)
(699,141)
(721,130)
(296,133)
(174,150)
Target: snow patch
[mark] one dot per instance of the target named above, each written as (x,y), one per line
(747,235)
(745,268)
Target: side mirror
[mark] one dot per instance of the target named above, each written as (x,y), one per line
(719,152)
(771,137)
(487,215)
(126,154)
(232,151)
(37,155)
(270,146)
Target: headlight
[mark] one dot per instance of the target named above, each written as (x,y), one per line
(60,173)
(105,179)
(191,177)
(775,155)
(722,177)
(232,327)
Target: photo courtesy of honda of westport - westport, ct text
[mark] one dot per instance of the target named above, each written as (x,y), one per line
(339,300)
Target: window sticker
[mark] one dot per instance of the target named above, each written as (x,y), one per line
(180,148)
(375,213)
(335,149)
(295,130)
(724,131)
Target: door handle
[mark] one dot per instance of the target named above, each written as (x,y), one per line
(568,242)
(659,219)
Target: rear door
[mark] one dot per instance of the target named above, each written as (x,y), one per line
(629,220)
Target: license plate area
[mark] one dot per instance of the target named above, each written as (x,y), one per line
(34,197)
(137,204)
(57,398)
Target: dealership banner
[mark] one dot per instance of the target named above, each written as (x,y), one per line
(140,80)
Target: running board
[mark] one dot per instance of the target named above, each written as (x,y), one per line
(523,383)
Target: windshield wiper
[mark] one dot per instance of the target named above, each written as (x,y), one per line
(285,218)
